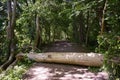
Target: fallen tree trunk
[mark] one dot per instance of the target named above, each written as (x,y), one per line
(86,59)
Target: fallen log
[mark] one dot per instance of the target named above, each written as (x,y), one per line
(86,59)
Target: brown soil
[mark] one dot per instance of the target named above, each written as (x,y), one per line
(52,71)
(64,46)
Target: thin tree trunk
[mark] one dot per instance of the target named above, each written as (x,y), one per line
(75,30)
(49,34)
(103,15)
(81,28)
(87,30)
(38,33)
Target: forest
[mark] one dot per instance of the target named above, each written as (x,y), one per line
(29,26)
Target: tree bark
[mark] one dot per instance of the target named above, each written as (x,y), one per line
(87,29)
(10,33)
(86,59)
(103,15)
(38,33)
(81,28)
(8,30)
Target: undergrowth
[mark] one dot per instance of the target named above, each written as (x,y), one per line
(109,45)
(17,71)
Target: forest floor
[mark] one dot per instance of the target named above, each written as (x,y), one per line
(52,71)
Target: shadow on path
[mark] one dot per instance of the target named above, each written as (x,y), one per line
(64,46)
(52,71)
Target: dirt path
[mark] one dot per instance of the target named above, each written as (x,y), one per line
(64,46)
(52,71)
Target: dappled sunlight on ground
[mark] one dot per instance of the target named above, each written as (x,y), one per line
(47,71)
(52,71)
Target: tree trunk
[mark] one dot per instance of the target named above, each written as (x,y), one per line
(87,29)
(75,30)
(8,30)
(38,33)
(86,59)
(10,33)
(102,21)
(79,28)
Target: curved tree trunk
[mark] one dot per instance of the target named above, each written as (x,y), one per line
(10,33)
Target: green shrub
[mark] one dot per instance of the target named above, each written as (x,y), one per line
(109,45)
(17,71)
(13,74)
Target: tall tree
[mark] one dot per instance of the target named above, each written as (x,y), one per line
(10,32)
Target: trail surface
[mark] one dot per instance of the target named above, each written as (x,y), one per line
(52,71)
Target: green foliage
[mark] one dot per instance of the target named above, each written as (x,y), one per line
(109,42)
(109,45)
(3,44)
(17,72)
(62,20)
(13,74)
(56,20)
